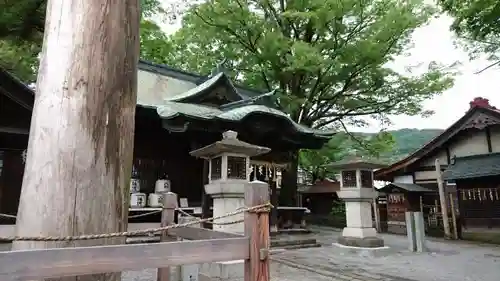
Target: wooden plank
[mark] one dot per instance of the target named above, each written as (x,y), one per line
(195,233)
(50,263)
(257,229)
(167,218)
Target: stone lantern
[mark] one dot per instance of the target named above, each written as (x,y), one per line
(356,190)
(229,175)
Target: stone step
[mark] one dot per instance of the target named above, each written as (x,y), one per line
(281,242)
(301,246)
(294,231)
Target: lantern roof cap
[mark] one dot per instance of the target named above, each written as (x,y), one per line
(229,144)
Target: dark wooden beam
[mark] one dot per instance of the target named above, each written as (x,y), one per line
(17,131)
(448,155)
(488,139)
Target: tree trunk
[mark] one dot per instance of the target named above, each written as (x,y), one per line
(80,150)
(288,192)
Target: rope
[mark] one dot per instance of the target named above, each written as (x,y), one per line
(145,214)
(130,217)
(211,222)
(263,208)
(7,216)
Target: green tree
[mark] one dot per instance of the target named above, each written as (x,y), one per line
(22,26)
(344,144)
(476,23)
(329,59)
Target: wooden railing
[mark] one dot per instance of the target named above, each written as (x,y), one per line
(206,246)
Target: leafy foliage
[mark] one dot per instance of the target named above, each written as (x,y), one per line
(476,21)
(329,59)
(21,34)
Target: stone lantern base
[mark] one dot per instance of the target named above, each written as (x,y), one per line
(366,242)
(359,231)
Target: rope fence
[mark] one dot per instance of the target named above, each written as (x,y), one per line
(7,216)
(255,209)
(130,217)
(211,222)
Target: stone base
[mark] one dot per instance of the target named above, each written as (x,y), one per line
(366,242)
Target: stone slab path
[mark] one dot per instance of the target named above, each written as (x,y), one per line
(445,260)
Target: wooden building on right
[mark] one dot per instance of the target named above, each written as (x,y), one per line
(469,157)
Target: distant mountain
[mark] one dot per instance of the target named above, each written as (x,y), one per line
(408,141)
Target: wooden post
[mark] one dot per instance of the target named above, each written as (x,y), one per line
(167,218)
(257,228)
(77,174)
(453,217)
(442,200)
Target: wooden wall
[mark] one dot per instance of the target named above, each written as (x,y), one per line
(10,183)
(157,152)
(479,202)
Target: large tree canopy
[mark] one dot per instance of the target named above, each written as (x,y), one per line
(329,59)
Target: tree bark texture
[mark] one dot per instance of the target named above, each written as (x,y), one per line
(81,143)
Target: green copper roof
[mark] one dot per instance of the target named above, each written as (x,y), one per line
(170,110)
(474,166)
(182,99)
(206,87)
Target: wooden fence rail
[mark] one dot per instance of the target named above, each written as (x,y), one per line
(207,246)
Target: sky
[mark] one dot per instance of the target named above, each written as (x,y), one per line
(435,42)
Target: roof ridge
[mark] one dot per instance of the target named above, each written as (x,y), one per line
(413,157)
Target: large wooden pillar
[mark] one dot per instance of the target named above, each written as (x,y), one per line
(80,150)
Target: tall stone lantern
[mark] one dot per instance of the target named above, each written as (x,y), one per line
(229,175)
(357,191)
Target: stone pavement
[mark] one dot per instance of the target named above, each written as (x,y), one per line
(445,261)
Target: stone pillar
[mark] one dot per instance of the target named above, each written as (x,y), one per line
(359,231)
(358,193)
(229,176)
(410,231)
(419,232)
(228,196)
